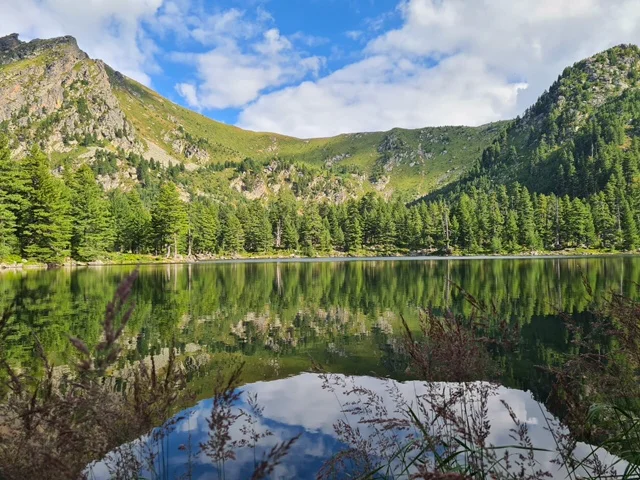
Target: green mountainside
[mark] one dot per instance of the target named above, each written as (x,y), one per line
(588,114)
(574,156)
(93,164)
(52,94)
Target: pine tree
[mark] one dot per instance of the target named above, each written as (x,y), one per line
(281,211)
(464,215)
(169,219)
(325,236)
(46,224)
(92,224)
(337,235)
(311,229)
(289,235)
(120,212)
(368,207)
(526,224)
(7,227)
(604,222)
(231,232)
(511,232)
(203,227)
(388,230)
(12,185)
(495,224)
(257,230)
(629,226)
(352,229)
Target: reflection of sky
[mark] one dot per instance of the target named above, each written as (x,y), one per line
(300,405)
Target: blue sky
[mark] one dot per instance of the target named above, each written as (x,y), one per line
(313,68)
(331,31)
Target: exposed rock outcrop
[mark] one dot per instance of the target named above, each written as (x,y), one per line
(51,93)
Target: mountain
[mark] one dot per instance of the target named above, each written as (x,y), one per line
(74,107)
(125,170)
(563,144)
(566,174)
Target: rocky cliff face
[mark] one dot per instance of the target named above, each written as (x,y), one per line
(52,94)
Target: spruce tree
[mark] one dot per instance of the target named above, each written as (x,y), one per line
(289,234)
(203,227)
(511,232)
(92,224)
(466,222)
(352,229)
(138,225)
(169,219)
(257,230)
(13,199)
(7,227)
(8,239)
(629,226)
(526,224)
(325,236)
(231,232)
(46,223)
(132,222)
(311,231)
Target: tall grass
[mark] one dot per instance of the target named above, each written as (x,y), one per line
(56,427)
(443,431)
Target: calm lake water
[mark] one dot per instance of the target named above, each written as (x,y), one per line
(278,316)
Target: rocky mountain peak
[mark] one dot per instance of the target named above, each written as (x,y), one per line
(12,49)
(9,42)
(53,94)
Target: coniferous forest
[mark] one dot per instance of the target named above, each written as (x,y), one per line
(592,201)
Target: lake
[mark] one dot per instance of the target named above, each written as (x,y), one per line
(280,317)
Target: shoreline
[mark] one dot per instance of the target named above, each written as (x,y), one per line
(148,260)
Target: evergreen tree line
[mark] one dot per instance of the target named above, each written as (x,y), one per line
(50,217)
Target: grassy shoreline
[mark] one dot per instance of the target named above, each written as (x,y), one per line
(147,259)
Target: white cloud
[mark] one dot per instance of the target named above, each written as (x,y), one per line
(529,39)
(309,40)
(188,92)
(488,52)
(380,93)
(106,29)
(248,57)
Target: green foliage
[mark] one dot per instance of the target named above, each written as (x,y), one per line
(12,188)
(169,220)
(565,175)
(203,227)
(132,222)
(92,223)
(257,229)
(45,224)
(231,231)
(450,149)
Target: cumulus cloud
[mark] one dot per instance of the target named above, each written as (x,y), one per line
(249,56)
(492,60)
(380,93)
(106,29)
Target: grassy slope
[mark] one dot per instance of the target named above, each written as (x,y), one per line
(452,148)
